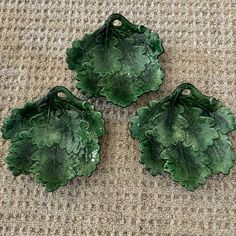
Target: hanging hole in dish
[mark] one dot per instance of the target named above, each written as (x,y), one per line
(186,92)
(61,95)
(117,23)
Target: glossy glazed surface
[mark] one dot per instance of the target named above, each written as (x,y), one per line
(117,61)
(55,138)
(186,135)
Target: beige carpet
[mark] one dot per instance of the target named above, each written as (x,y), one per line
(120,198)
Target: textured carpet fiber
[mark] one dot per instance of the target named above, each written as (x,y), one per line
(120,198)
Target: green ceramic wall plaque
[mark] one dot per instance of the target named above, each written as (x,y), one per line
(55,138)
(118,61)
(186,135)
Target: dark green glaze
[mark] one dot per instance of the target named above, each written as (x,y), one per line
(185,135)
(55,138)
(118,62)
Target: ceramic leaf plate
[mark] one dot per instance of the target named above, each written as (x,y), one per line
(186,135)
(118,62)
(55,138)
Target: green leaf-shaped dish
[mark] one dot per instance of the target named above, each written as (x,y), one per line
(55,138)
(186,135)
(117,61)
